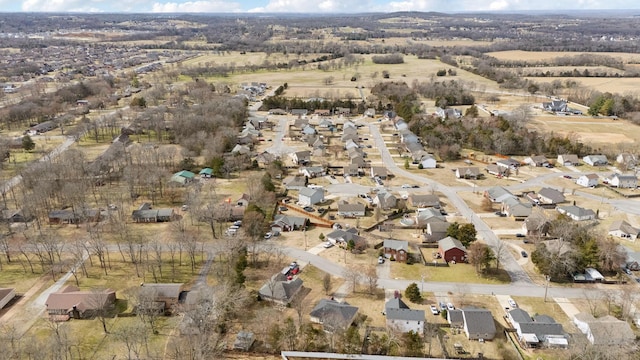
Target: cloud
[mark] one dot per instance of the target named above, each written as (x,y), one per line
(196,6)
(58,5)
(310,7)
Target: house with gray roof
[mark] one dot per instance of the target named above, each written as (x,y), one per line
(451,249)
(295,182)
(577,213)
(385,200)
(623,181)
(627,160)
(435,231)
(568,160)
(595,160)
(313,171)
(624,230)
(347,210)
(280,290)
(510,164)
(588,180)
(539,331)
(455,318)
(470,172)
(536,224)
(426,216)
(301,157)
(288,223)
(398,249)
(497,194)
(308,196)
(333,315)
(516,209)
(402,319)
(153,215)
(550,196)
(340,236)
(606,330)
(537,161)
(424,200)
(478,324)
(6,295)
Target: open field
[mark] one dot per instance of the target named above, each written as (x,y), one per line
(535,56)
(621,86)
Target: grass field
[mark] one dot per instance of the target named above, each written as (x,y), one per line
(614,85)
(534,56)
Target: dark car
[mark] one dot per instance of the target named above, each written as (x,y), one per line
(567,176)
(524,253)
(520,235)
(308,209)
(283,208)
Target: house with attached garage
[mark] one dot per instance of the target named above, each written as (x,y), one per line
(280,289)
(536,224)
(537,161)
(340,236)
(510,164)
(379,171)
(398,249)
(425,216)
(588,180)
(624,230)
(471,172)
(428,162)
(568,160)
(632,260)
(621,181)
(168,294)
(400,318)
(301,157)
(347,210)
(424,200)
(595,160)
(577,213)
(555,106)
(549,196)
(313,171)
(71,216)
(71,302)
(516,209)
(385,200)
(435,231)
(153,215)
(333,315)
(605,330)
(183,177)
(498,194)
(295,182)
(538,331)
(627,160)
(308,196)
(283,223)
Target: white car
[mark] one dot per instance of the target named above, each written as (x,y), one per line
(512,303)
(450,306)
(434,310)
(268,235)
(406,186)
(327,245)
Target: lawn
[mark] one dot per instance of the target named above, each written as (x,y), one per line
(458,273)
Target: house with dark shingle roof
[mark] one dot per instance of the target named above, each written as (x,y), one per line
(478,324)
(424,200)
(623,229)
(280,290)
(568,159)
(498,194)
(399,249)
(576,213)
(451,249)
(71,302)
(333,315)
(606,330)
(539,331)
(351,210)
(401,318)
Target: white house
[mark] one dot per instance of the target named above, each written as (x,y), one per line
(351,210)
(308,196)
(606,330)
(6,295)
(588,180)
(595,160)
(576,213)
(623,229)
(401,318)
(428,162)
(628,181)
(471,172)
(568,159)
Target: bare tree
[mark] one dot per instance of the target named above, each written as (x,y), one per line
(326,283)
(100,301)
(352,275)
(370,276)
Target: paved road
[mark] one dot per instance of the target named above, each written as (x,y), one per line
(509,263)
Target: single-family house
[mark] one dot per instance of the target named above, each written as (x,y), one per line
(283,223)
(313,171)
(326,124)
(15,216)
(301,157)
(322,112)
(351,170)
(536,224)
(424,200)
(340,236)
(478,324)
(385,200)
(448,113)
(265,158)
(516,209)
(370,112)
(277,112)
(299,112)
(606,330)
(295,182)
(400,318)
(471,172)
(396,249)
(627,160)
(379,171)
(280,289)
(539,331)
(568,160)
(241,149)
(496,170)
(632,261)
(308,196)
(576,213)
(537,161)
(427,162)
(623,229)
(71,302)
(350,144)
(308,130)
(424,216)
(435,231)
(623,181)
(167,294)
(347,210)
(6,295)
(153,215)
(588,180)
(400,124)
(508,164)
(595,160)
(243,200)
(71,216)
(550,196)
(206,173)
(555,106)
(333,315)
(498,194)
(183,177)
(452,250)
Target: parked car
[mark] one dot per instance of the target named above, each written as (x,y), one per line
(237,223)
(308,209)
(627,271)
(524,254)
(283,208)
(450,306)
(268,235)
(434,310)
(380,259)
(406,186)
(520,235)
(512,303)
(443,306)
(327,245)
(567,176)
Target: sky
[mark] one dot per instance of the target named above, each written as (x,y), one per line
(306,6)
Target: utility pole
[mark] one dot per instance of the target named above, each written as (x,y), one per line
(546,288)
